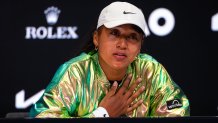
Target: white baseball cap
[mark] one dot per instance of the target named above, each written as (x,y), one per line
(119,13)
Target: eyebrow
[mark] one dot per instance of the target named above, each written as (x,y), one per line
(131,32)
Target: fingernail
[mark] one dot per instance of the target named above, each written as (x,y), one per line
(115,83)
(143,87)
(140,79)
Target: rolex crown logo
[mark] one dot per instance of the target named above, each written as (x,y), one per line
(52,14)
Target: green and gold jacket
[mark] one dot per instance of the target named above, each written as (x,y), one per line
(80,84)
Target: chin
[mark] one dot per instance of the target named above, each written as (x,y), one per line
(120,66)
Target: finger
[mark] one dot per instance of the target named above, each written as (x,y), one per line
(136,105)
(125,84)
(132,88)
(135,95)
(113,89)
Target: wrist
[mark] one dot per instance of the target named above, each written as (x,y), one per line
(100,112)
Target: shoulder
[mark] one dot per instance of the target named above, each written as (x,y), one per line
(75,64)
(70,69)
(146,58)
(80,59)
(147,62)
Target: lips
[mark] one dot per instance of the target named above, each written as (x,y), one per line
(119,56)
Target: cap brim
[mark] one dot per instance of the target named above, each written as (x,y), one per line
(113,24)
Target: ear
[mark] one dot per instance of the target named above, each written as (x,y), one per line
(95,38)
(139,50)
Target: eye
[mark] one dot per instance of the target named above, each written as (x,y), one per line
(115,32)
(132,37)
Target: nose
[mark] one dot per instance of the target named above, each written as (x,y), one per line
(121,43)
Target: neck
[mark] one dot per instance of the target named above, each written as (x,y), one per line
(113,74)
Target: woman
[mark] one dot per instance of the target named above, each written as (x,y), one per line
(114,79)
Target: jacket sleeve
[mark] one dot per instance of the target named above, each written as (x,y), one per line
(168,99)
(61,98)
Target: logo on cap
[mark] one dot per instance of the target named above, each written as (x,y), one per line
(124,12)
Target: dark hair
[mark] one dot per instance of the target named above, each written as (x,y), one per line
(88,44)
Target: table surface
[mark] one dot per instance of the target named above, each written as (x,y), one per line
(192,119)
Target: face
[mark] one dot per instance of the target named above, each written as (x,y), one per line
(117,46)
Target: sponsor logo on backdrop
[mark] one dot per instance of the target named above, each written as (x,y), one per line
(21,103)
(161,28)
(52,15)
(50,32)
(161,22)
(214,22)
